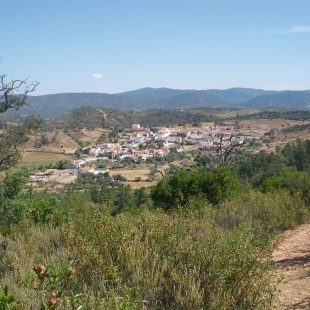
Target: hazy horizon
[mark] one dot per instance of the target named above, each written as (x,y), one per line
(163,87)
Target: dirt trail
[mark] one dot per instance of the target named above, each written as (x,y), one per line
(292,258)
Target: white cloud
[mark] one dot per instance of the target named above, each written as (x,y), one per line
(294,30)
(97,76)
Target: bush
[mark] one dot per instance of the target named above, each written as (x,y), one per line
(183,185)
(169,262)
(298,154)
(119,178)
(292,180)
(14,182)
(263,214)
(62,164)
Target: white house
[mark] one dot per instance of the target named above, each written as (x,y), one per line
(94,150)
(110,147)
(135,126)
(195,135)
(76,164)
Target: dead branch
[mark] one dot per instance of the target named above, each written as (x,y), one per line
(225,152)
(14,93)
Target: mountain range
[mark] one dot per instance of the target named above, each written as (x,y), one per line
(49,106)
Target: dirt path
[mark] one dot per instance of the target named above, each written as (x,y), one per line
(292,258)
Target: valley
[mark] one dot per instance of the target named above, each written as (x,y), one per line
(141,155)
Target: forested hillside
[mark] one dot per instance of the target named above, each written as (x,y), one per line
(88,117)
(94,117)
(49,106)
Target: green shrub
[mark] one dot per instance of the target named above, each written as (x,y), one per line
(183,185)
(170,262)
(292,180)
(263,214)
(14,182)
(8,301)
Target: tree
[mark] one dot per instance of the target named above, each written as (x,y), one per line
(14,182)
(256,168)
(298,154)
(13,197)
(119,178)
(124,198)
(12,136)
(292,180)
(204,160)
(180,188)
(13,95)
(225,153)
(141,196)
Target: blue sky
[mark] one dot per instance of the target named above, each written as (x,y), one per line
(118,45)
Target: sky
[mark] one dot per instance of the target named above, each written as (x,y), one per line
(118,45)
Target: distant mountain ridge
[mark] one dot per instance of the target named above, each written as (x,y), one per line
(49,106)
(284,99)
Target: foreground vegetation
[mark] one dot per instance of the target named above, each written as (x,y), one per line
(197,240)
(190,259)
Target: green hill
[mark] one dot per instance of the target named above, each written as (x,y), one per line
(50,106)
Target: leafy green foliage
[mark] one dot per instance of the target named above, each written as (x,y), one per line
(90,117)
(204,160)
(177,190)
(299,127)
(86,180)
(298,154)
(141,197)
(256,168)
(54,282)
(294,181)
(289,169)
(119,178)
(14,181)
(7,301)
(18,202)
(280,114)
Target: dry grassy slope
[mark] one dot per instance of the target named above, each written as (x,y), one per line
(59,145)
(58,140)
(267,124)
(292,258)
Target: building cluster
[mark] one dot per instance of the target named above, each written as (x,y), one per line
(140,144)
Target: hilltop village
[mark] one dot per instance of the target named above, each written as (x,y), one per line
(140,144)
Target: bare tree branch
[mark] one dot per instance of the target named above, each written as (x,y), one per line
(226,152)
(13,94)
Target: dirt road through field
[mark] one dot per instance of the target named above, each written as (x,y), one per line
(292,258)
